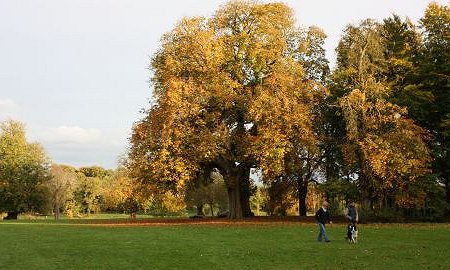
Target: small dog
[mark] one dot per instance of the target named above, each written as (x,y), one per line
(352,233)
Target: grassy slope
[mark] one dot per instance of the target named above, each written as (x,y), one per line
(291,246)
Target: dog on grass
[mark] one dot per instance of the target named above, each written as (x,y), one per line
(352,233)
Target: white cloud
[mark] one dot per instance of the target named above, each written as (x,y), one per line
(78,146)
(71,134)
(8,109)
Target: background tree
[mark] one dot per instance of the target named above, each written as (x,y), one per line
(207,190)
(61,186)
(216,194)
(164,204)
(23,171)
(434,77)
(88,192)
(229,95)
(95,171)
(117,192)
(258,201)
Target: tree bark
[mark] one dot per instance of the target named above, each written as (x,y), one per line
(448,190)
(211,208)
(234,202)
(238,186)
(57,212)
(447,193)
(447,182)
(237,181)
(245,191)
(200,210)
(302,186)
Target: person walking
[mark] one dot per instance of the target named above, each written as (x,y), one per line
(323,217)
(352,216)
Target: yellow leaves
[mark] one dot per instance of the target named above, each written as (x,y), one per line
(350,153)
(414,199)
(400,64)
(389,148)
(171,203)
(364,116)
(213,79)
(283,116)
(396,158)
(269,149)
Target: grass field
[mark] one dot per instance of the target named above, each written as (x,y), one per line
(66,245)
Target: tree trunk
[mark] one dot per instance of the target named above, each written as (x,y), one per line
(57,212)
(200,210)
(237,181)
(238,186)
(302,186)
(211,208)
(447,193)
(234,202)
(245,191)
(447,187)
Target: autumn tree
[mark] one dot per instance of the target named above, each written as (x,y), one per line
(306,156)
(117,191)
(23,171)
(387,147)
(229,95)
(60,186)
(95,171)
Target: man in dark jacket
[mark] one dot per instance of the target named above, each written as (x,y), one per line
(323,217)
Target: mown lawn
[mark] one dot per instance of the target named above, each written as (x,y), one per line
(53,245)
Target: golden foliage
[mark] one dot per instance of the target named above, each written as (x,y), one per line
(226,88)
(390,146)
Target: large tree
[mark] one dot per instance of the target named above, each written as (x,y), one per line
(230,93)
(382,146)
(23,171)
(305,158)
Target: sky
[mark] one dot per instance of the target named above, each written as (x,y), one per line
(76,71)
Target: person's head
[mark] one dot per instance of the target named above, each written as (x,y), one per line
(351,204)
(325,204)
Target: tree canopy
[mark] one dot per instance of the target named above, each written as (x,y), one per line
(231,92)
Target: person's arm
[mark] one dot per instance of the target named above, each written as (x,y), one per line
(357,217)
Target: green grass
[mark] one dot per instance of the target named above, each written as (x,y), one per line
(53,245)
(119,216)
